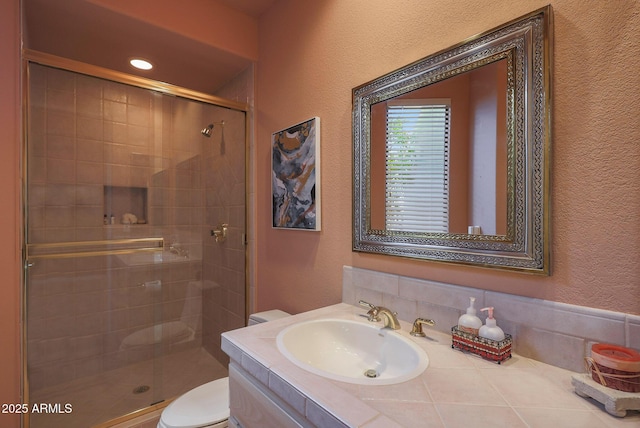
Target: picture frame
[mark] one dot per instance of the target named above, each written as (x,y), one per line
(295,176)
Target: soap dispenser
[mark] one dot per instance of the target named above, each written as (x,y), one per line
(491,330)
(469,322)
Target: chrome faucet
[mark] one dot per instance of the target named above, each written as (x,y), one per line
(390,318)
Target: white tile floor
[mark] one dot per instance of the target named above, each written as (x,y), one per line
(109,395)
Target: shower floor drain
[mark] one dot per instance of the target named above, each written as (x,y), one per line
(141,389)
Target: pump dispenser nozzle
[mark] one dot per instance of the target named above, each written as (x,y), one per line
(471,310)
(490,311)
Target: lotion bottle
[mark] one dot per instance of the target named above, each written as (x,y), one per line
(491,330)
(469,322)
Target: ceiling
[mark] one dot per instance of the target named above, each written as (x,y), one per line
(253,8)
(87,32)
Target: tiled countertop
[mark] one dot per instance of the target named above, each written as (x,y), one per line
(456,390)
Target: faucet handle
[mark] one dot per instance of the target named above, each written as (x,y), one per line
(417,326)
(367,304)
(372,314)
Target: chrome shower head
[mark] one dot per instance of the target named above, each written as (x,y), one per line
(207,131)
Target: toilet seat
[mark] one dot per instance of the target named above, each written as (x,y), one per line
(203,406)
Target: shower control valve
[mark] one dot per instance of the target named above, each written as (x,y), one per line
(220,233)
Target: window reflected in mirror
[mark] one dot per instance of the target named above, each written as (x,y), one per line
(439,156)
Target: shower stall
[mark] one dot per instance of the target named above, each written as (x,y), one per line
(134,242)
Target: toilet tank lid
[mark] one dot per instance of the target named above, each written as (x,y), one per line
(202,406)
(271,315)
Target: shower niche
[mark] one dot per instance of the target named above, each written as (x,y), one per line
(125,205)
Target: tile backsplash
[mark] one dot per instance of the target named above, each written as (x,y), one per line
(555,333)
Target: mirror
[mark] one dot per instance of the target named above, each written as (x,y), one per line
(451,153)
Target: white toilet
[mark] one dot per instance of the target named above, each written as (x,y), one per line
(208,404)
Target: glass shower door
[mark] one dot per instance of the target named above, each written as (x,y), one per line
(83,304)
(126,291)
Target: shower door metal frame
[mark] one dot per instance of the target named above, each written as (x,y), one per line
(154,244)
(92,248)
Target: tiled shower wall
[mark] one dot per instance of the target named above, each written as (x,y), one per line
(240,89)
(85,133)
(225,200)
(555,333)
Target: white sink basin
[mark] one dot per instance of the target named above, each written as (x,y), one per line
(352,351)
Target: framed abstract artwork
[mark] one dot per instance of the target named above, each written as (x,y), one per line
(295,176)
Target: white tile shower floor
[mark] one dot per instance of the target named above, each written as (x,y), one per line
(97,399)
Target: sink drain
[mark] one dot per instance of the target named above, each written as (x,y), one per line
(141,389)
(371,373)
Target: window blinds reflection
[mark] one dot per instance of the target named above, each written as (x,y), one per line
(417,166)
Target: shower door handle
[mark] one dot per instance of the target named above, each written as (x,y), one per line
(220,233)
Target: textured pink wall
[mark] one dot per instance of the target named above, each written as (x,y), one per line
(9,185)
(312,53)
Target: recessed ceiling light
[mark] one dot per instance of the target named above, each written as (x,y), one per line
(141,64)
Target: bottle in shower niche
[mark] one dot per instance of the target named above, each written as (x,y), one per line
(105,220)
(112,219)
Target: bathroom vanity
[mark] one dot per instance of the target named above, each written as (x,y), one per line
(455,390)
